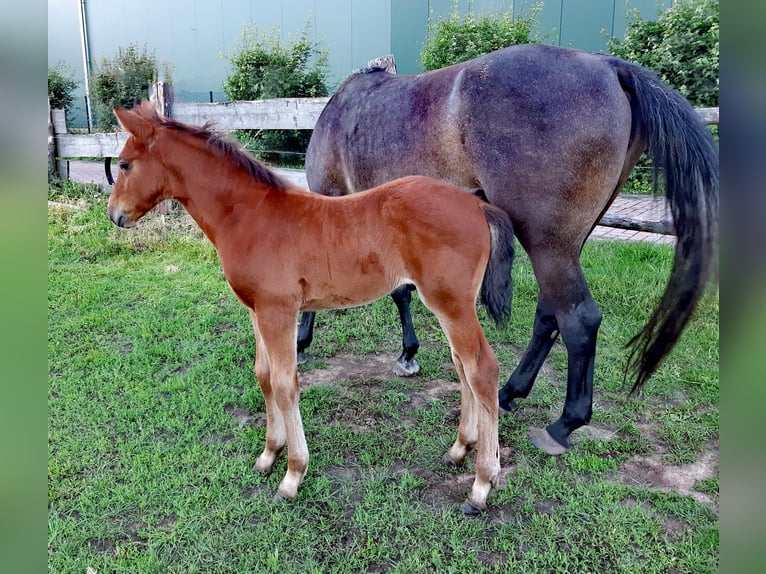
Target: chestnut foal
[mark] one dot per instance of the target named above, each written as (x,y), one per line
(284,250)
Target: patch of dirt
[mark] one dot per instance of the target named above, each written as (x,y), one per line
(240,414)
(368,372)
(347,367)
(650,472)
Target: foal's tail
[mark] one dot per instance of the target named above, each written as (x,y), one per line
(497,286)
(687,153)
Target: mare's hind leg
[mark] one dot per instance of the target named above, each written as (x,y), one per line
(563,286)
(579,328)
(544,333)
(305,335)
(406,365)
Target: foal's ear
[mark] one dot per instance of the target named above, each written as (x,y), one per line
(138,126)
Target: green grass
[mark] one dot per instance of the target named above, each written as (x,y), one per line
(155,420)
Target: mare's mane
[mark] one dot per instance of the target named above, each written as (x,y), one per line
(223,147)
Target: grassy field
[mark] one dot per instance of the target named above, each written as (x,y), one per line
(155,420)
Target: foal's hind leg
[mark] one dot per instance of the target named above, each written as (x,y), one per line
(478,369)
(406,365)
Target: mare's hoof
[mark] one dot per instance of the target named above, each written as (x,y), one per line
(406,368)
(542,439)
(506,409)
(469,509)
(303,357)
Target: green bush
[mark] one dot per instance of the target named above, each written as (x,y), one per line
(681,47)
(61,84)
(459,38)
(122,80)
(266,67)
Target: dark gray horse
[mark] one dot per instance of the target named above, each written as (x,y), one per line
(549,135)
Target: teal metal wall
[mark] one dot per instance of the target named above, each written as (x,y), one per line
(195,35)
(583,24)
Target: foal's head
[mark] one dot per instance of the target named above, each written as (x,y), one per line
(143,180)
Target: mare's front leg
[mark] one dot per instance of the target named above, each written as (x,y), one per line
(275,331)
(406,365)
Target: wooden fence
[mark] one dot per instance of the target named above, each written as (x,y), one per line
(284,113)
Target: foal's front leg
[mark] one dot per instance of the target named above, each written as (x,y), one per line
(275,424)
(275,331)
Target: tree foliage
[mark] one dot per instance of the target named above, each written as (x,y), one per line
(61,84)
(681,46)
(459,38)
(122,80)
(264,66)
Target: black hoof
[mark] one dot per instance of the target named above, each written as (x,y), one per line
(279,499)
(303,357)
(506,408)
(447,461)
(469,509)
(263,473)
(505,404)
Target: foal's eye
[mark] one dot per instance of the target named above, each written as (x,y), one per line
(124,166)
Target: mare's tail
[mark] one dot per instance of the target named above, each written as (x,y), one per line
(497,286)
(687,153)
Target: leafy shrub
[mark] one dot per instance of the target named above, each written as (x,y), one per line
(681,47)
(459,38)
(266,67)
(61,84)
(122,80)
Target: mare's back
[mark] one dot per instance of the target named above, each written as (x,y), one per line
(469,123)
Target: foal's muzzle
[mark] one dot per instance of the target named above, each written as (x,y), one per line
(119,218)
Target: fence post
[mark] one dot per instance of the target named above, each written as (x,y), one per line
(161,97)
(57,125)
(51,144)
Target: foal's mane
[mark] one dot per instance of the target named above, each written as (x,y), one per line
(223,147)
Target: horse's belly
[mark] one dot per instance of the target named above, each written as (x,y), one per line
(350,287)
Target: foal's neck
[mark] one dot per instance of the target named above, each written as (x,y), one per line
(213,188)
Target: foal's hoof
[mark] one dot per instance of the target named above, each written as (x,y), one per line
(279,499)
(469,509)
(447,461)
(406,368)
(303,357)
(263,473)
(542,439)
